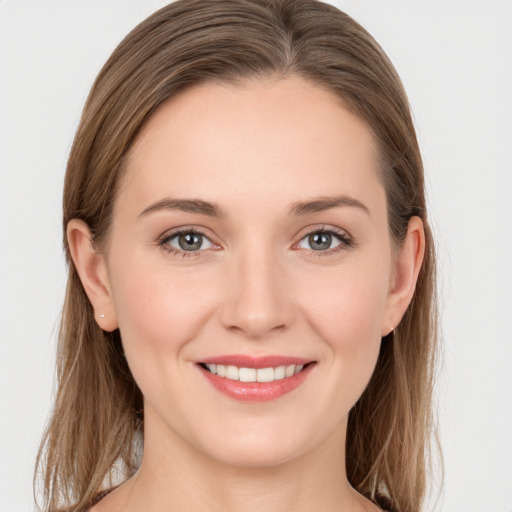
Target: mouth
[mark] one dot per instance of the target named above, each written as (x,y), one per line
(244,374)
(249,379)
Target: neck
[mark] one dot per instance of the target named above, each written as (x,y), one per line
(175,476)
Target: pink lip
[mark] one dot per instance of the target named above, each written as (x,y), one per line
(256,391)
(246,361)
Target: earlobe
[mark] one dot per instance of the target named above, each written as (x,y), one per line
(91,268)
(405,274)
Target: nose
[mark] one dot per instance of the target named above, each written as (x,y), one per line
(257,301)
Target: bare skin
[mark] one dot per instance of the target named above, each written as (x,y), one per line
(256,283)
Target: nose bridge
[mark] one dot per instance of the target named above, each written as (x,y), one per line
(257,301)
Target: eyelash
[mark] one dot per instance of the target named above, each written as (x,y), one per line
(167,237)
(346,241)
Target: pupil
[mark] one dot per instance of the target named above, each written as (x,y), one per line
(320,241)
(190,241)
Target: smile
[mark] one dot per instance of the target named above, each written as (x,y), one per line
(260,379)
(253,374)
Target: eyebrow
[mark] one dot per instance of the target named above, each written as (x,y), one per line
(317,204)
(186,205)
(320,204)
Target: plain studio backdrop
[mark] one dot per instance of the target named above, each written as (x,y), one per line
(455,59)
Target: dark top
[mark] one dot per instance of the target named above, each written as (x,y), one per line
(96,498)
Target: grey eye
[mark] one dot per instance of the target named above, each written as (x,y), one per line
(319,241)
(189,241)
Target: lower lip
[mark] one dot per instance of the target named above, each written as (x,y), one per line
(257,391)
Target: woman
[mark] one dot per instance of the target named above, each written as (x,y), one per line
(250,318)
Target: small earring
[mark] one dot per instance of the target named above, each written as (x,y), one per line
(102,316)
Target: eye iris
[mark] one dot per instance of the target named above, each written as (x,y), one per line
(190,241)
(320,241)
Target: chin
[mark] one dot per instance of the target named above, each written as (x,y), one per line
(261,455)
(262,447)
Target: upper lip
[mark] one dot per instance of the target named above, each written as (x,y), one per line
(247,361)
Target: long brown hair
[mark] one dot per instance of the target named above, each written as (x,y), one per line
(95,430)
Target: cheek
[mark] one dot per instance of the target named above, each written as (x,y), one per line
(346,308)
(347,304)
(159,311)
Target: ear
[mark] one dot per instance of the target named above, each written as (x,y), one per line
(404,276)
(92,269)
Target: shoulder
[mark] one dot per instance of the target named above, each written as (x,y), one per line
(95,500)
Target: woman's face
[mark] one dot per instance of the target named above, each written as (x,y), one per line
(251,224)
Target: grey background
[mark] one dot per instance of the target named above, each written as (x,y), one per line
(455,58)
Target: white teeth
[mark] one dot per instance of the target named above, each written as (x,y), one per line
(290,370)
(265,375)
(232,372)
(252,374)
(280,372)
(247,374)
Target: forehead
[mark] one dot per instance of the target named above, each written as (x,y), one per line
(262,140)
